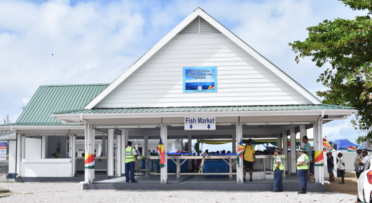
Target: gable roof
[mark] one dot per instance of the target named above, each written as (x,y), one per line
(54,98)
(199,12)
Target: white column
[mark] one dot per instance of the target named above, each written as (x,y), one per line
(293,150)
(43,146)
(302,134)
(189,150)
(320,138)
(233,143)
(73,145)
(19,154)
(124,141)
(285,150)
(238,137)
(110,152)
(118,155)
(23,142)
(63,149)
(278,141)
(104,146)
(91,141)
(316,148)
(164,170)
(146,147)
(86,150)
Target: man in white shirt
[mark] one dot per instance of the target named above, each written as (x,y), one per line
(364,160)
(341,166)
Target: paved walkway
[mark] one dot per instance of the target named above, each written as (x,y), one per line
(72,192)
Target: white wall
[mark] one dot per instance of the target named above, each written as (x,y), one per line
(47,168)
(242,80)
(12,155)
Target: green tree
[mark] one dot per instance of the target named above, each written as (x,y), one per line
(345,45)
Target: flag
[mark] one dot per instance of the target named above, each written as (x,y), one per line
(239,155)
(89,161)
(318,158)
(351,149)
(161,154)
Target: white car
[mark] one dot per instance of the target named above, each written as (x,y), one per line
(365,183)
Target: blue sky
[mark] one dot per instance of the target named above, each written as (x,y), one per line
(96,41)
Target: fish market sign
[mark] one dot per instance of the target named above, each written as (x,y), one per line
(200,123)
(200,79)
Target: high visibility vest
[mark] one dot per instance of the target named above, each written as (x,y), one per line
(305,159)
(58,155)
(129,154)
(276,161)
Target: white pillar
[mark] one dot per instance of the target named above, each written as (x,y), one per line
(104,146)
(146,147)
(316,148)
(278,141)
(164,170)
(110,152)
(118,156)
(320,138)
(189,150)
(89,149)
(293,150)
(302,134)
(73,145)
(124,141)
(63,149)
(285,150)
(86,150)
(239,136)
(23,144)
(19,153)
(43,146)
(233,143)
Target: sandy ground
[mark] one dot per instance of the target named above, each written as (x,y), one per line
(350,186)
(72,192)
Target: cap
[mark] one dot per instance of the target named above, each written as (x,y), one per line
(359,149)
(129,142)
(277,150)
(302,150)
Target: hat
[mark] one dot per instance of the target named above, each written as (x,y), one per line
(339,152)
(129,143)
(359,148)
(277,150)
(302,150)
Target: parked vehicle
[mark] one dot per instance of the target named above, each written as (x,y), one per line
(365,183)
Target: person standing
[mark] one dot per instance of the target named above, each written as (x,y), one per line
(302,169)
(307,147)
(57,154)
(278,169)
(357,160)
(249,158)
(149,153)
(341,166)
(364,160)
(130,161)
(330,166)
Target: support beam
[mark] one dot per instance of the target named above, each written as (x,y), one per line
(292,163)
(189,150)
(118,156)
(316,148)
(320,138)
(104,146)
(302,134)
(164,170)
(238,136)
(73,144)
(233,145)
(19,153)
(285,150)
(124,141)
(89,149)
(110,153)
(146,147)
(279,141)
(44,143)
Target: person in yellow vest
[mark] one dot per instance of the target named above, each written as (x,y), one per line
(130,161)
(302,169)
(57,155)
(278,169)
(249,158)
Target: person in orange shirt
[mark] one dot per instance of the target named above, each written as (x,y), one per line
(249,158)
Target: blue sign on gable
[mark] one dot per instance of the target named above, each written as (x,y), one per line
(200,79)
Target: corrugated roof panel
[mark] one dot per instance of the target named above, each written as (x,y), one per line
(57,98)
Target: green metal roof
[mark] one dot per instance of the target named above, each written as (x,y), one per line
(54,98)
(208,109)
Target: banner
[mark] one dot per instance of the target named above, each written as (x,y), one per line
(3,146)
(318,158)
(239,156)
(89,161)
(200,79)
(351,149)
(161,154)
